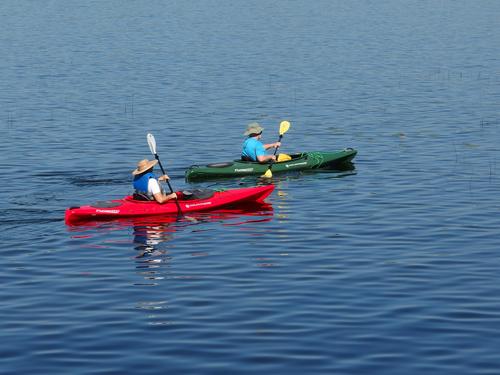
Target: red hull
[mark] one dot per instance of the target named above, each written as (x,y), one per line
(128,207)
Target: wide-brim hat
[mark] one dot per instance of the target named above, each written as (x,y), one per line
(144,165)
(253,128)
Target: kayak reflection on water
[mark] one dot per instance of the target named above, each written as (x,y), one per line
(150,233)
(155,256)
(148,237)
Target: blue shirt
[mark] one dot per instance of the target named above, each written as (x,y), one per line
(252,148)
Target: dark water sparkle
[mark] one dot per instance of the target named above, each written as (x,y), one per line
(391,268)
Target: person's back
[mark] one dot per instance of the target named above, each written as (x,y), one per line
(252,149)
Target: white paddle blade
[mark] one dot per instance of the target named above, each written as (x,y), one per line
(284,126)
(152,143)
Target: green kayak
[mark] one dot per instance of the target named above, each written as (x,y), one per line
(299,162)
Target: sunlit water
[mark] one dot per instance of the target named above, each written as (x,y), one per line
(389,268)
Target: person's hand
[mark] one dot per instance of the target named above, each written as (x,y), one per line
(172,196)
(164,178)
(272,157)
(277,144)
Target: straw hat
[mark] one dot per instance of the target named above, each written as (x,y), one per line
(253,128)
(144,165)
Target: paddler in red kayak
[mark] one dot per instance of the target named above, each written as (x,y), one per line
(253,148)
(146,185)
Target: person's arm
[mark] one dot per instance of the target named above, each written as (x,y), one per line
(260,154)
(271,145)
(162,198)
(156,191)
(266,158)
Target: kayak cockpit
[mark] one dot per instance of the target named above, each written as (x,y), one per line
(185,195)
(106,204)
(239,161)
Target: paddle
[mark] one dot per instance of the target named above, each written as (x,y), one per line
(284,126)
(152,147)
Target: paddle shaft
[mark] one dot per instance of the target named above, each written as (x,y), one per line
(279,140)
(168,183)
(273,161)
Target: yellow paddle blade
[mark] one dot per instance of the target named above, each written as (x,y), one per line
(284,126)
(268,174)
(284,157)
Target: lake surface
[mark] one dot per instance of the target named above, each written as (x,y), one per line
(389,268)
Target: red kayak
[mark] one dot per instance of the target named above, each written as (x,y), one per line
(130,207)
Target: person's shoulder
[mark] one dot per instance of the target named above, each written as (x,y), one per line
(249,141)
(153,181)
(154,186)
(255,140)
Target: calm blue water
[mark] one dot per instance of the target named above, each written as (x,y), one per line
(391,268)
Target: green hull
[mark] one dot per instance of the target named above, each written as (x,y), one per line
(299,162)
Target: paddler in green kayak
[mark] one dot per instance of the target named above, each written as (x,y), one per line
(146,184)
(253,148)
